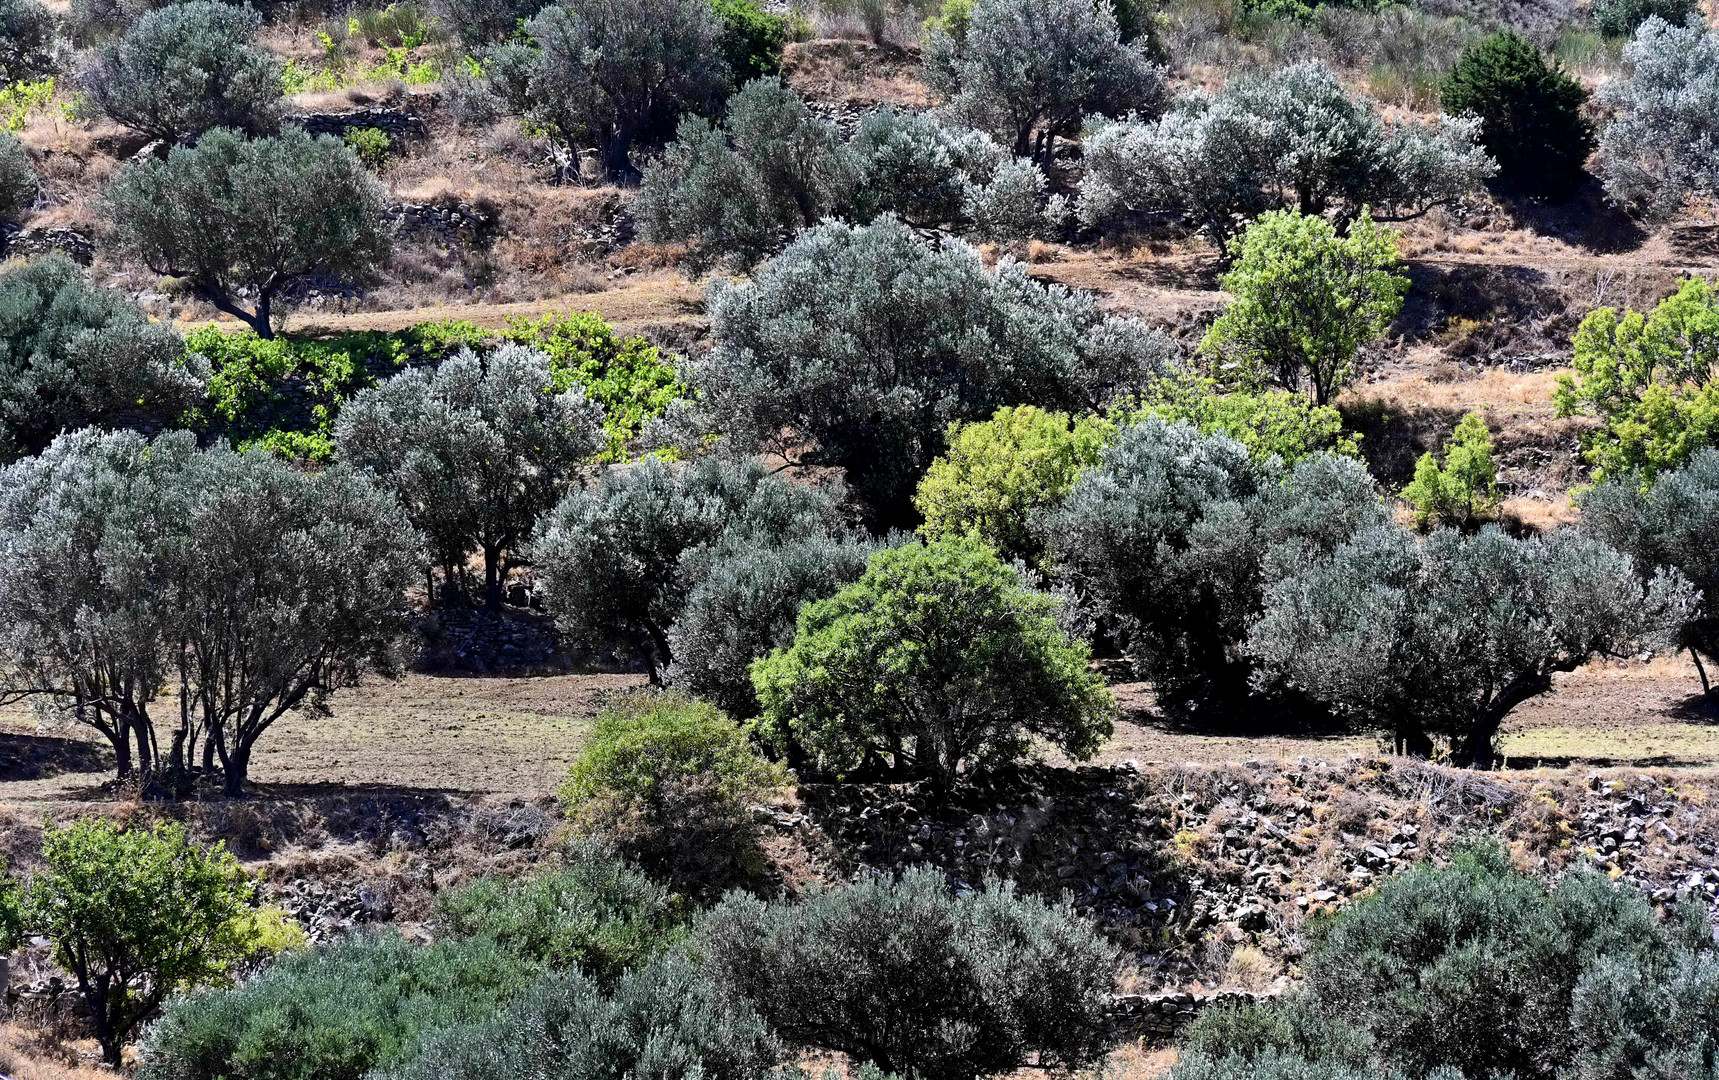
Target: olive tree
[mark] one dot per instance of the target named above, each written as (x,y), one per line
(82,532)
(1174,535)
(184,69)
(617,561)
(242,220)
(1029,71)
(28,36)
(602,72)
(1447,636)
(740,190)
(859,345)
(936,661)
(1287,139)
(251,587)
(19,183)
(74,354)
(1662,144)
(286,586)
(476,450)
(1668,524)
(1305,300)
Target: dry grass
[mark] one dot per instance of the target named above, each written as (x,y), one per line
(25,1056)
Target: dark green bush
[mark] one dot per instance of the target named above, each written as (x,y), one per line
(752,39)
(1619,18)
(593,914)
(916,979)
(664,1022)
(284,393)
(334,1013)
(1530,112)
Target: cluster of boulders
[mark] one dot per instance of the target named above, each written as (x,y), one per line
(1157,1016)
(329,910)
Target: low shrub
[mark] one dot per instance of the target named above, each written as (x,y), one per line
(372,146)
(1478,969)
(284,393)
(664,1022)
(334,1013)
(1619,18)
(669,779)
(913,978)
(592,914)
(18,181)
(1269,423)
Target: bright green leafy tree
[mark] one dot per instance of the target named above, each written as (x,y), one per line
(938,658)
(136,914)
(1649,380)
(1464,490)
(1306,300)
(1267,422)
(998,471)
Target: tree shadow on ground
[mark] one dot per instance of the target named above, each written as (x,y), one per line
(1394,435)
(1587,220)
(40,757)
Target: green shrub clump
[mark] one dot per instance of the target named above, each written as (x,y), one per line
(334,1013)
(669,780)
(593,913)
(1530,113)
(914,979)
(998,472)
(18,181)
(1464,490)
(631,378)
(1269,423)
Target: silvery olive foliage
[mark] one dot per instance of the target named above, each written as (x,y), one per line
(859,345)
(1670,524)
(185,69)
(198,214)
(740,190)
(617,562)
(1447,636)
(252,587)
(1173,536)
(476,449)
(597,73)
(1028,71)
(913,977)
(74,354)
(1662,144)
(19,184)
(1292,138)
(29,40)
